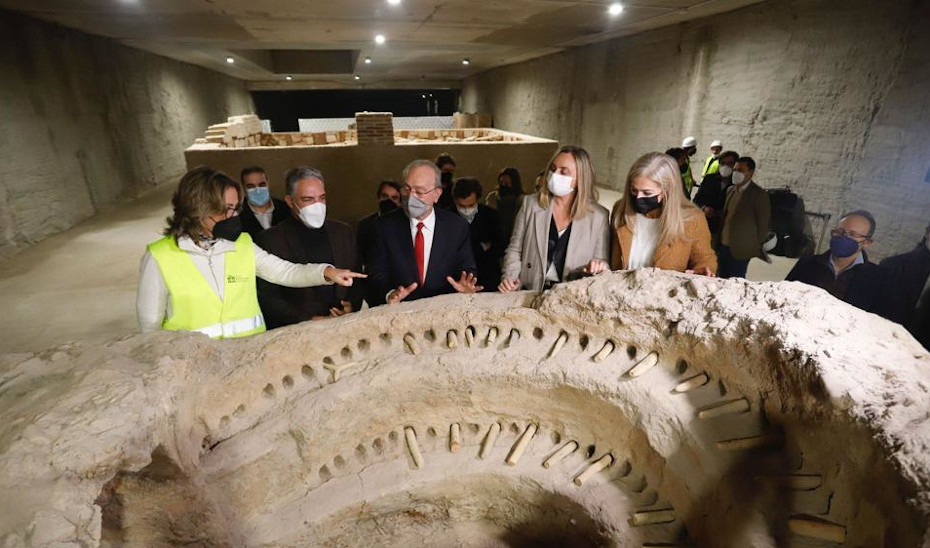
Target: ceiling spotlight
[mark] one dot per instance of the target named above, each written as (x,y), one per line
(394,2)
(230,60)
(288,77)
(380,39)
(357,77)
(424,96)
(466,62)
(615,9)
(368,60)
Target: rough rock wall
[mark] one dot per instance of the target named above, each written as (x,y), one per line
(85,121)
(632,409)
(829,96)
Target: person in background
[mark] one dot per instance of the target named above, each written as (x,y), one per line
(201,276)
(711,197)
(446,164)
(746,218)
(484,226)
(655,226)
(711,164)
(845,270)
(689,144)
(906,298)
(681,158)
(421,251)
(308,236)
(506,199)
(388,200)
(561,232)
(263,211)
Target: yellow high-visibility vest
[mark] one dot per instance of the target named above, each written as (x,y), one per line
(194,304)
(712,165)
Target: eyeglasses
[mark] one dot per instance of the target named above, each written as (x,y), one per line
(420,193)
(232,211)
(848,234)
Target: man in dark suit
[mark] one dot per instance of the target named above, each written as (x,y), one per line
(422,251)
(388,200)
(261,211)
(307,236)
(711,197)
(486,244)
(906,297)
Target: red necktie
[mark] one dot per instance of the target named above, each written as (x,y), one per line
(419,248)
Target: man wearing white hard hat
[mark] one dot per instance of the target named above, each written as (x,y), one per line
(689,144)
(712,164)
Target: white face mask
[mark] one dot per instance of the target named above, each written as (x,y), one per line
(468,213)
(738,178)
(313,215)
(560,185)
(726,171)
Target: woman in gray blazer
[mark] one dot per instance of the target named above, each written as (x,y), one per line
(561,232)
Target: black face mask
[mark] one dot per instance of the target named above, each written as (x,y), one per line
(684,168)
(228,229)
(446,178)
(645,205)
(385,206)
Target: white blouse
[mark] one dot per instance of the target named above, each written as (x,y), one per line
(646,233)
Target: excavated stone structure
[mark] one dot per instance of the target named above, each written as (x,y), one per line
(631,409)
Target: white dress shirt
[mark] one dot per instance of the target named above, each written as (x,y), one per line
(264,219)
(153,303)
(429,228)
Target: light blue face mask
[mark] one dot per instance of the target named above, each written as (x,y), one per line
(258,196)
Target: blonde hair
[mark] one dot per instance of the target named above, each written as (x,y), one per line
(199,194)
(663,170)
(585,190)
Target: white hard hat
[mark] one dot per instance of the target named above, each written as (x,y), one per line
(716,143)
(689,142)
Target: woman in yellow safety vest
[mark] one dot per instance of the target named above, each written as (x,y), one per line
(201,275)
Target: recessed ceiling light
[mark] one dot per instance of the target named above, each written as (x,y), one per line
(394,2)
(380,39)
(466,62)
(357,77)
(615,9)
(424,96)
(230,60)
(368,60)
(288,77)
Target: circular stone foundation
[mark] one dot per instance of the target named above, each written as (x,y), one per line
(632,409)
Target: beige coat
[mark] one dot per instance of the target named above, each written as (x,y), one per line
(526,256)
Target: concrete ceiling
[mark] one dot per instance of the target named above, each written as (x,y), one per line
(426,39)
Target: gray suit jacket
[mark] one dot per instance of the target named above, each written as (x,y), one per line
(525,257)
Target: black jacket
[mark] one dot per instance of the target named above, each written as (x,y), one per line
(713,194)
(906,277)
(365,237)
(860,286)
(251,225)
(487,247)
(394,264)
(289,305)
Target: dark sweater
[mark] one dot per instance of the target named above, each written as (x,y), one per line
(860,285)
